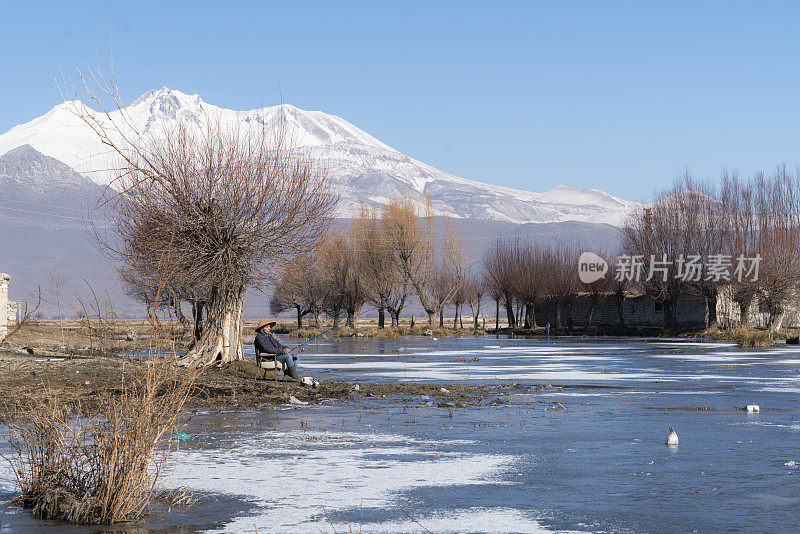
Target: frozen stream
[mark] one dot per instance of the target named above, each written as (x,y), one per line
(527,459)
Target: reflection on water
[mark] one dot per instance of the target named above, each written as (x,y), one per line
(526,459)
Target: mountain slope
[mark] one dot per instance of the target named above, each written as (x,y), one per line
(361,168)
(35,187)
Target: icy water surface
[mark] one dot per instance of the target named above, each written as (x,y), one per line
(535,457)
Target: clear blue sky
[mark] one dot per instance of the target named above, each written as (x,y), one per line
(616,95)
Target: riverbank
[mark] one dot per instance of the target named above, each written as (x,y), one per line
(80,380)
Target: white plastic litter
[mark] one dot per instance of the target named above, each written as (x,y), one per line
(309,382)
(791,463)
(445,391)
(294,400)
(752,408)
(355,387)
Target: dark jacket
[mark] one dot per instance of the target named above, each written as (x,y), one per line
(268,344)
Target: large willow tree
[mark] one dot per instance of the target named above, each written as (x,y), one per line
(211,208)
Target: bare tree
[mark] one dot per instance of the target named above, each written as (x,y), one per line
(739,219)
(302,288)
(385,284)
(210,205)
(346,290)
(500,266)
(664,232)
(474,288)
(559,271)
(599,289)
(778,222)
(421,261)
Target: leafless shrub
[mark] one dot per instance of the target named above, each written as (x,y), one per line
(98,464)
(98,320)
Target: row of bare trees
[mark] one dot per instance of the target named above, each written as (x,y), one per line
(696,241)
(521,276)
(748,225)
(381,259)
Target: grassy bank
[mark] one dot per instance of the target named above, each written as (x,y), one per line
(750,337)
(387,332)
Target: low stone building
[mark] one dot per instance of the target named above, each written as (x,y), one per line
(4,322)
(640,310)
(637,310)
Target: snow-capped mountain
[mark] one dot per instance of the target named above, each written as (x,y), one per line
(360,167)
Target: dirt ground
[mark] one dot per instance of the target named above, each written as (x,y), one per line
(80,364)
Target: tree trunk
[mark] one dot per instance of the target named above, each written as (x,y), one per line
(497,315)
(299,317)
(510,314)
(567,304)
(441,318)
(670,320)
(176,308)
(221,341)
(197,316)
(558,314)
(475,313)
(711,295)
(394,311)
(711,311)
(455,319)
(461,316)
(530,317)
(337,310)
(592,306)
(776,315)
(381,318)
(744,312)
(395,317)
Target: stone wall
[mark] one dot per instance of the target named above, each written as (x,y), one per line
(639,310)
(729,314)
(13,308)
(4,278)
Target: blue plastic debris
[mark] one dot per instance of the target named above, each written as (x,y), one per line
(180,436)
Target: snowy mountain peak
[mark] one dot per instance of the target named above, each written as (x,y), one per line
(360,167)
(164,95)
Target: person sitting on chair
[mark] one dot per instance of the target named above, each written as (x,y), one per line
(267,343)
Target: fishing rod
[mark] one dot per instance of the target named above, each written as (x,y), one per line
(334,327)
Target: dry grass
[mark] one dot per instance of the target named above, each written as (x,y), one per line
(745,337)
(99,465)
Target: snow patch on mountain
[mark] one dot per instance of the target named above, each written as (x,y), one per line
(360,167)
